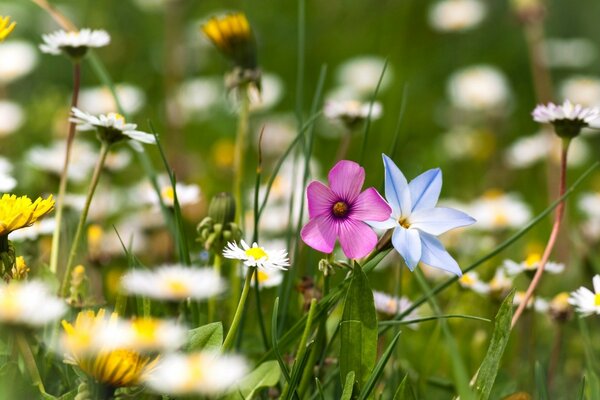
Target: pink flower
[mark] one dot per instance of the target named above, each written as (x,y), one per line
(340,211)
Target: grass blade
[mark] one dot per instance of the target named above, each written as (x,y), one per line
(379,368)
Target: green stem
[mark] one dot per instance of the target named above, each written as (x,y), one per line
(29,361)
(212,302)
(62,186)
(82,219)
(239,311)
(239,152)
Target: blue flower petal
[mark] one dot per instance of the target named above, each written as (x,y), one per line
(425,189)
(384,225)
(439,220)
(395,188)
(435,255)
(408,244)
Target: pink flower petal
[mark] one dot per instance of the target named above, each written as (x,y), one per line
(320,199)
(356,237)
(346,179)
(370,206)
(320,233)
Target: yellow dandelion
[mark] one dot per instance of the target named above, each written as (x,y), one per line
(20,212)
(232,35)
(6,27)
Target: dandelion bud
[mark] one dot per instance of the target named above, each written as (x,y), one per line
(7,258)
(20,269)
(219,228)
(222,208)
(78,286)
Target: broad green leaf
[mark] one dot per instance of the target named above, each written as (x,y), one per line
(265,375)
(379,368)
(358,330)
(206,337)
(491,363)
(348,386)
(404,391)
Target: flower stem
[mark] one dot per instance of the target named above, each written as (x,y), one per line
(212,302)
(62,187)
(82,219)
(239,152)
(553,235)
(29,361)
(239,311)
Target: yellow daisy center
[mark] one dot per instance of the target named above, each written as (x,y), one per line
(9,303)
(177,287)
(467,280)
(146,329)
(262,276)
(257,253)
(532,261)
(597,299)
(168,194)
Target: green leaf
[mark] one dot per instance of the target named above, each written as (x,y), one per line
(265,375)
(206,337)
(358,330)
(404,391)
(379,368)
(540,382)
(348,386)
(581,393)
(491,363)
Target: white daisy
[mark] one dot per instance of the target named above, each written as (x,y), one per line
(149,334)
(19,58)
(585,301)
(478,88)
(500,284)
(351,111)
(392,305)
(456,15)
(528,150)
(560,308)
(51,159)
(531,263)
(539,304)
(569,53)
(100,100)
(7,182)
(173,282)
(111,127)
(575,113)
(186,193)
(268,278)
(497,210)
(39,228)
(257,256)
(75,44)
(29,303)
(12,117)
(361,74)
(197,373)
(471,280)
(584,90)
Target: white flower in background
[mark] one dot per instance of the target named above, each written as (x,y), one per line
(7,182)
(112,127)
(146,334)
(585,301)
(117,160)
(29,303)
(99,99)
(108,201)
(497,210)
(478,88)
(268,278)
(559,306)
(12,117)
(471,281)
(361,74)
(531,263)
(173,282)
(392,305)
(539,304)
(500,283)
(351,111)
(51,159)
(18,57)
(278,131)
(463,142)
(74,43)
(529,150)
(196,98)
(272,90)
(580,89)
(456,15)
(186,193)
(39,228)
(92,332)
(256,256)
(569,53)
(151,5)
(553,113)
(109,243)
(197,373)
(589,203)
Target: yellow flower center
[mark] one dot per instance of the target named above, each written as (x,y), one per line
(168,194)
(500,218)
(177,287)
(9,303)
(467,280)
(404,222)
(340,209)
(492,194)
(146,329)
(262,276)
(597,299)
(257,253)
(532,260)
(119,117)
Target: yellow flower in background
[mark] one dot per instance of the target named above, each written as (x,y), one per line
(6,27)
(231,34)
(20,212)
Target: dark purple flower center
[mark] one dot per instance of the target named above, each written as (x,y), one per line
(340,209)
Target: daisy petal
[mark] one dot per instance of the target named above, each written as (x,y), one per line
(395,188)
(319,233)
(408,243)
(320,199)
(425,189)
(596,281)
(439,220)
(346,179)
(435,255)
(369,205)
(356,238)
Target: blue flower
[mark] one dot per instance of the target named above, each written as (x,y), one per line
(417,221)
